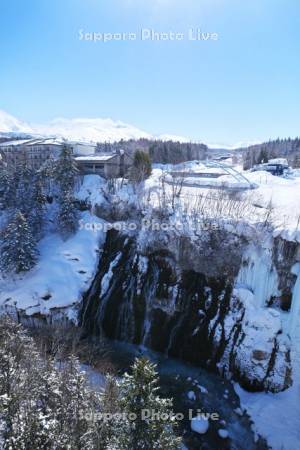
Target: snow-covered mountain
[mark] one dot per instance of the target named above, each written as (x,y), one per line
(10,124)
(97,130)
(80,129)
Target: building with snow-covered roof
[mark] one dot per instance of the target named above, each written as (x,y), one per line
(107,165)
(35,151)
(82,148)
(282,161)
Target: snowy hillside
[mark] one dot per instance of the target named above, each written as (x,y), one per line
(64,272)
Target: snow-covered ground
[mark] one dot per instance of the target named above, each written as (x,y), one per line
(278,197)
(63,273)
(66,268)
(283,194)
(275,416)
(92,190)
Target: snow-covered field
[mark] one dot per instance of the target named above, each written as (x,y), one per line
(278,197)
(283,194)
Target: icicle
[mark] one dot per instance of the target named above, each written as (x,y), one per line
(294,322)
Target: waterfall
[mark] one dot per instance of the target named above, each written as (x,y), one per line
(294,321)
(259,275)
(147,298)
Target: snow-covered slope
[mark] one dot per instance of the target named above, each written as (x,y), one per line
(64,272)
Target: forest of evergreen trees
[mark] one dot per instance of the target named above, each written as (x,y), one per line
(47,403)
(25,196)
(280,148)
(165,152)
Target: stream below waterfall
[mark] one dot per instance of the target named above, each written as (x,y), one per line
(211,394)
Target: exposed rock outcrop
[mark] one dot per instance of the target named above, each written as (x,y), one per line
(173,297)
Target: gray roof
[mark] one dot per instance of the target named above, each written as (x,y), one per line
(42,141)
(98,158)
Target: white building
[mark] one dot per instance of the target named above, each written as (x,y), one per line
(36,151)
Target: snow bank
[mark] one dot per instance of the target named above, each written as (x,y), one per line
(283,194)
(276,416)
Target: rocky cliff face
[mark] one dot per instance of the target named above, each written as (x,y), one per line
(180,297)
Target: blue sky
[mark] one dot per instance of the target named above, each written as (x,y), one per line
(243,87)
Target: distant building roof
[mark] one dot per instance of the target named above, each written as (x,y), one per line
(29,142)
(281,161)
(14,142)
(43,141)
(97,158)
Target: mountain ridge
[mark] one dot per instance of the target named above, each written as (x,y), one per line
(79,129)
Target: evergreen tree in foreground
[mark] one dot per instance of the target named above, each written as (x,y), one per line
(6,187)
(47,174)
(67,216)
(24,181)
(4,184)
(66,170)
(47,405)
(37,207)
(42,406)
(65,174)
(18,251)
(139,396)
